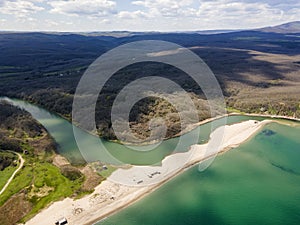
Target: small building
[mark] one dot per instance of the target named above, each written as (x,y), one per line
(104,167)
(61,221)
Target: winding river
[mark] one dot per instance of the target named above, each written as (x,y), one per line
(256,183)
(62,131)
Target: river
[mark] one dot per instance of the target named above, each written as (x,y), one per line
(62,131)
(256,183)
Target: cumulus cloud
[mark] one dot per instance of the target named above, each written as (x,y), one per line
(272,3)
(213,14)
(165,8)
(229,13)
(20,8)
(91,8)
(155,14)
(241,13)
(132,15)
(163,3)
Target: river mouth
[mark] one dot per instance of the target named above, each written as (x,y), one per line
(256,183)
(110,152)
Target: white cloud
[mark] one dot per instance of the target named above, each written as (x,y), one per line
(238,14)
(165,8)
(54,23)
(90,8)
(163,3)
(19,8)
(51,23)
(132,15)
(215,14)
(161,15)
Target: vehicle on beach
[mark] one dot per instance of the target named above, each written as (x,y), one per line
(61,221)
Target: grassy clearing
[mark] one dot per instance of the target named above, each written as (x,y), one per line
(233,110)
(20,181)
(47,175)
(44,182)
(6,174)
(106,173)
(38,183)
(103,170)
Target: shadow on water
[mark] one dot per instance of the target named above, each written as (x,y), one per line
(285,169)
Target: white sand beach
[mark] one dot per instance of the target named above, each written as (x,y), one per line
(126,186)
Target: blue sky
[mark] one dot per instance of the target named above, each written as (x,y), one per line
(144,15)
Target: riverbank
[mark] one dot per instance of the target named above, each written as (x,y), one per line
(188,129)
(125,187)
(267,116)
(209,120)
(288,118)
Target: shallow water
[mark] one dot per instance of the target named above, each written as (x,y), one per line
(257,183)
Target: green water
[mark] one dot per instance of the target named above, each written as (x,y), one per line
(257,183)
(62,131)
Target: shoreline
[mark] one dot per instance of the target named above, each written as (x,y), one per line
(110,197)
(186,130)
(175,175)
(293,119)
(208,120)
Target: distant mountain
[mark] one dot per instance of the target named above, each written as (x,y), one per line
(124,34)
(287,28)
(254,69)
(216,31)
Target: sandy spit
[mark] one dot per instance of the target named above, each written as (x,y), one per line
(126,186)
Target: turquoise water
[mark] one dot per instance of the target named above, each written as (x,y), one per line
(257,183)
(62,131)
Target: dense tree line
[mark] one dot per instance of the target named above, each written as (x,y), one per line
(18,132)
(7,159)
(254,75)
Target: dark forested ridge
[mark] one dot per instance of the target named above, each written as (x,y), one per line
(19,132)
(259,72)
(45,177)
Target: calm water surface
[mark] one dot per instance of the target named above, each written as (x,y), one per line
(257,183)
(62,131)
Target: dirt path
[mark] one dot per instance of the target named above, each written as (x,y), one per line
(13,175)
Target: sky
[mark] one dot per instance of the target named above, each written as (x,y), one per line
(144,15)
